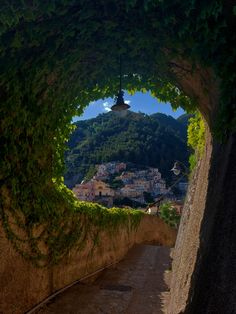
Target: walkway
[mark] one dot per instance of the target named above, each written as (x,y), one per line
(136,285)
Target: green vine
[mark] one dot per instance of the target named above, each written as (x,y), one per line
(46,241)
(56,57)
(196,138)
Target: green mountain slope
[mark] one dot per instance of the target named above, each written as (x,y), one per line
(184,118)
(156,141)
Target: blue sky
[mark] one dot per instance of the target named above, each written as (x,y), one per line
(142,102)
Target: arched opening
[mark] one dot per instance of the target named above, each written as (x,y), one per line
(141,143)
(54,56)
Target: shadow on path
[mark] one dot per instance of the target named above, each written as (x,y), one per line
(136,285)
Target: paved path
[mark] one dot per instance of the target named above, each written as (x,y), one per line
(133,286)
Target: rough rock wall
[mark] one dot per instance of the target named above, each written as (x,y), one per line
(204,266)
(213,287)
(187,243)
(22,285)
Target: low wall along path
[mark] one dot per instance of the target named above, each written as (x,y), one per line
(23,286)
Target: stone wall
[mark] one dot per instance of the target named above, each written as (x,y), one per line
(187,243)
(204,266)
(22,285)
(213,288)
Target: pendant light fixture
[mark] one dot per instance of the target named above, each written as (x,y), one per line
(176,169)
(120,104)
(179,167)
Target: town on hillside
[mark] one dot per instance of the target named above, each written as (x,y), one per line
(116,184)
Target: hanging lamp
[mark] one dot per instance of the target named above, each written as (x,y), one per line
(176,169)
(179,167)
(120,104)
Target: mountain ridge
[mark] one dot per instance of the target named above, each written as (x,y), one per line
(155,140)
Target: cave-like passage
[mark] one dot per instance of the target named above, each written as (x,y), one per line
(55,55)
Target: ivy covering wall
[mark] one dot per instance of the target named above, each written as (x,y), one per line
(196,138)
(56,57)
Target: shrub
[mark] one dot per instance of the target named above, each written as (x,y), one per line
(169,214)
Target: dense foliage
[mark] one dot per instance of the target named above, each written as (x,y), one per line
(156,141)
(169,214)
(196,138)
(72,223)
(57,54)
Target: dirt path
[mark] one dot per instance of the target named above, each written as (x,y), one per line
(133,286)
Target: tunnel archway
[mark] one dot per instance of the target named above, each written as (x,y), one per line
(56,55)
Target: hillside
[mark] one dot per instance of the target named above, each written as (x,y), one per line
(184,119)
(156,141)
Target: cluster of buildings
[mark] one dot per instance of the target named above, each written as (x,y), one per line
(133,184)
(104,171)
(140,181)
(95,191)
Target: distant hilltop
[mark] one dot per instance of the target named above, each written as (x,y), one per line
(155,141)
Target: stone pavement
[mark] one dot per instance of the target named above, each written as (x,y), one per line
(136,285)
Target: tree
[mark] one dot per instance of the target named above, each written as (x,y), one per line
(148,197)
(169,214)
